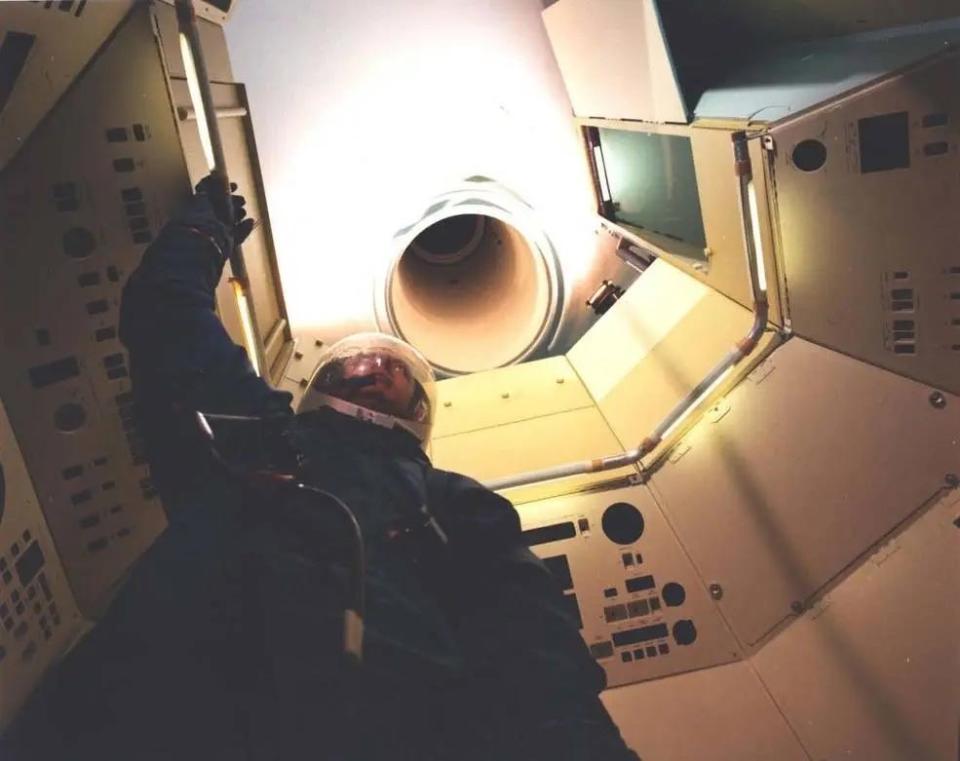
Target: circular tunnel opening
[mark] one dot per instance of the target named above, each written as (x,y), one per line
(471,292)
(450,240)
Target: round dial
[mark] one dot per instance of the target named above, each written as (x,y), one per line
(622,523)
(684,632)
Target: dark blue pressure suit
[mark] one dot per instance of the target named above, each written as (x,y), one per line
(224,642)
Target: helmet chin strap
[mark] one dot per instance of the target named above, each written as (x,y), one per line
(317,400)
(361,413)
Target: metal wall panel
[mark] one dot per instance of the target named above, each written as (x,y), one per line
(785,80)
(673,367)
(761,23)
(614,59)
(653,346)
(65,37)
(532,444)
(38,615)
(810,461)
(869,238)
(645,612)
(484,400)
(519,418)
(79,206)
(721,714)
(873,673)
(643,317)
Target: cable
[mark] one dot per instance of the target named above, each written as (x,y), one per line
(356,608)
(353,625)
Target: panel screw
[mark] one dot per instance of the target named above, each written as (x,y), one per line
(952,480)
(716,591)
(938,400)
(797,607)
(318,342)
(298,355)
(560,380)
(505,395)
(448,404)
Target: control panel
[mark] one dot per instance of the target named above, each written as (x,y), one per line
(642,609)
(38,615)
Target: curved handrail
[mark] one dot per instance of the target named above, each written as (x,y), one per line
(743,348)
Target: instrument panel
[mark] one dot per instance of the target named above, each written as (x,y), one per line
(643,610)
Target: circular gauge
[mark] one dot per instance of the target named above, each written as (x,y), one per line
(622,523)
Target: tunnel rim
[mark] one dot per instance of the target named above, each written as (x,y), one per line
(484,197)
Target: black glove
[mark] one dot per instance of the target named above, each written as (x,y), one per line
(206,213)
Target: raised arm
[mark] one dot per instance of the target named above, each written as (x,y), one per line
(180,353)
(181,358)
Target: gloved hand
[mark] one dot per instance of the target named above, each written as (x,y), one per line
(206,213)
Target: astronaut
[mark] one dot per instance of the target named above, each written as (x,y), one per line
(469,650)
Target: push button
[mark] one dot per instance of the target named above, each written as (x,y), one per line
(615,613)
(601,649)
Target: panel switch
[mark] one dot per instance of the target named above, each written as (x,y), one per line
(615,613)
(601,649)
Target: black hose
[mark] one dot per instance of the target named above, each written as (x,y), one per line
(353,626)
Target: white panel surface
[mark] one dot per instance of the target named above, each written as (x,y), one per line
(66,35)
(873,673)
(652,307)
(869,239)
(809,461)
(614,59)
(720,714)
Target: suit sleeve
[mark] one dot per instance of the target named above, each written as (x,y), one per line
(511,608)
(181,358)
(536,684)
(180,353)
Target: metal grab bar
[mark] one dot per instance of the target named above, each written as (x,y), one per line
(206,117)
(743,348)
(189,114)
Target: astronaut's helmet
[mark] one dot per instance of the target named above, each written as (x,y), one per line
(377,378)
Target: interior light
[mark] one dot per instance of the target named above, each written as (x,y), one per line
(602,173)
(249,334)
(757,239)
(193,85)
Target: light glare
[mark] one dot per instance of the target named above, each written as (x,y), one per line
(249,335)
(757,240)
(602,173)
(193,85)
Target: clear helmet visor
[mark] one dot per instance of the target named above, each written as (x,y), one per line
(380,374)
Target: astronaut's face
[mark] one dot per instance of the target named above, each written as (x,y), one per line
(389,386)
